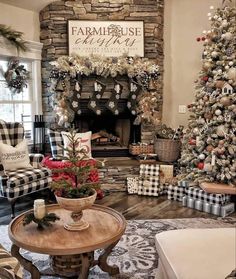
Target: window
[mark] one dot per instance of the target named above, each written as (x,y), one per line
(18,107)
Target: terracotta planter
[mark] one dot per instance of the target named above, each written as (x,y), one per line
(76,206)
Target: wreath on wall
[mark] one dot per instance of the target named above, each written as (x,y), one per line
(16,76)
(13,37)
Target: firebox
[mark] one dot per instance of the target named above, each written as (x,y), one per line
(111,134)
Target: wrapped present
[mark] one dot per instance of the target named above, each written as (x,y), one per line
(198,194)
(149,183)
(142,148)
(132,184)
(175,193)
(149,170)
(166,174)
(150,186)
(227,209)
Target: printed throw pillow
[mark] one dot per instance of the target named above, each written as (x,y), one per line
(56,143)
(84,141)
(17,157)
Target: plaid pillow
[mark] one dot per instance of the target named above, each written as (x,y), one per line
(11,133)
(56,143)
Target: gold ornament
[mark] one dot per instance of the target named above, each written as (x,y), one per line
(209,148)
(219,83)
(207,66)
(232,74)
(225,101)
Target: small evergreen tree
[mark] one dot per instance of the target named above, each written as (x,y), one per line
(73,180)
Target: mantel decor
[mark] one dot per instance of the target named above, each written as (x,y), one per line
(109,38)
(69,70)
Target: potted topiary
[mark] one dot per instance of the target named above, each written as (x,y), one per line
(73,189)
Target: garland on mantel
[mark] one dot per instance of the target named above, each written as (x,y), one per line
(68,70)
(142,69)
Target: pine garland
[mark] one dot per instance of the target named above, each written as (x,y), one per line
(13,37)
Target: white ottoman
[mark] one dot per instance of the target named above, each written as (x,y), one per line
(196,253)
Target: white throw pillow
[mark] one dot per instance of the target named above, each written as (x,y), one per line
(84,142)
(17,157)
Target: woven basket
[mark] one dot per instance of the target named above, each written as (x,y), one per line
(69,265)
(167,150)
(137,149)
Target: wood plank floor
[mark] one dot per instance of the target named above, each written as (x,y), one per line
(131,206)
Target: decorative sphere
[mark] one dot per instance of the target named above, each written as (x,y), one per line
(209,148)
(214,54)
(202,156)
(206,66)
(219,71)
(231,63)
(65,118)
(218,112)
(219,83)
(195,131)
(232,74)
(226,67)
(225,101)
(228,36)
(221,142)
(200,165)
(192,142)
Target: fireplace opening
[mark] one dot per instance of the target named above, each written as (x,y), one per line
(111,135)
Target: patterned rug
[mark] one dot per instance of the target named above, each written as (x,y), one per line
(135,254)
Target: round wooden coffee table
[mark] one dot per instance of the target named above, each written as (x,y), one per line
(105,230)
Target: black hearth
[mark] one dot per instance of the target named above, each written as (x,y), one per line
(112,134)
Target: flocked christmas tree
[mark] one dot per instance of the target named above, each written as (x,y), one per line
(209,144)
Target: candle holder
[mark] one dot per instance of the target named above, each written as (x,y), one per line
(46,221)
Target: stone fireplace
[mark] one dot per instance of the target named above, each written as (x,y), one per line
(53,35)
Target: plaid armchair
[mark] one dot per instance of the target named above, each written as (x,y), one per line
(20,182)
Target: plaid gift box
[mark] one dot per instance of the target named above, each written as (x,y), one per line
(132,184)
(149,170)
(199,194)
(175,193)
(149,183)
(149,186)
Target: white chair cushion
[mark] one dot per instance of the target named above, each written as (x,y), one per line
(197,253)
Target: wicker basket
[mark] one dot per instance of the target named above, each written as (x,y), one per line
(137,149)
(167,150)
(69,265)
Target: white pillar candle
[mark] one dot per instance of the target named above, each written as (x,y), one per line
(39,209)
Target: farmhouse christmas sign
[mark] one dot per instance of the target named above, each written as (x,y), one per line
(106,38)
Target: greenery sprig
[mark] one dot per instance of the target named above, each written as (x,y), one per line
(44,222)
(13,37)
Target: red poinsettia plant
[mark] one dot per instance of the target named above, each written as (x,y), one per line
(77,177)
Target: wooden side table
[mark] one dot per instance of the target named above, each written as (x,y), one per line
(106,228)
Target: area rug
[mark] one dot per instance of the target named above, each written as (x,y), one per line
(135,254)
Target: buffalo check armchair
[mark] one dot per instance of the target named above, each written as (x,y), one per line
(20,182)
